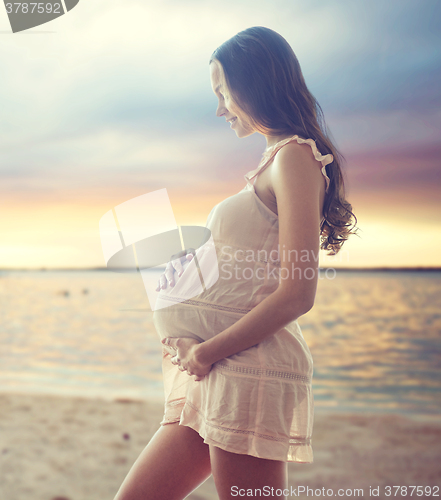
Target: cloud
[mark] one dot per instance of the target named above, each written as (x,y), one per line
(117,100)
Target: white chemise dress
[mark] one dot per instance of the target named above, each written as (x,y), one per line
(258,401)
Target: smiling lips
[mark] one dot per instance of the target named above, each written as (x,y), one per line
(232,120)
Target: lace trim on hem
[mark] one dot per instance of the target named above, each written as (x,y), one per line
(291,440)
(200,303)
(263,372)
(175,402)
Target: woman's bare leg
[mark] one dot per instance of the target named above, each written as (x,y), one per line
(232,471)
(174,463)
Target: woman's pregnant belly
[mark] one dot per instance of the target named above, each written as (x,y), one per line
(200,323)
(173,318)
(202,320)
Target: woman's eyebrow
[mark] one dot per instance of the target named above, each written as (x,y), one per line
(218,87)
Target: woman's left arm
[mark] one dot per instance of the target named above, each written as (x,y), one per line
(296,180)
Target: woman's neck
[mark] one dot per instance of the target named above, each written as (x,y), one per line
(272,141)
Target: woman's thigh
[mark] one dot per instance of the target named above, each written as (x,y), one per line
(233,472)
(174,463)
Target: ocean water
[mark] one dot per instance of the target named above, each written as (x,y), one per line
(375,338)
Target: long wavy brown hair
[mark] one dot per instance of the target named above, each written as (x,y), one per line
(264,79)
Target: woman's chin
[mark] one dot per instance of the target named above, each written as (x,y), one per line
(241,133)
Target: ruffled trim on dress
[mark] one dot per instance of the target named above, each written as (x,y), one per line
(269,153)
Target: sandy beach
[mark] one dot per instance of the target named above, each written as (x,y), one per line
(65,448)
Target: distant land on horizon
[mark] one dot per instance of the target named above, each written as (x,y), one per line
(344,269)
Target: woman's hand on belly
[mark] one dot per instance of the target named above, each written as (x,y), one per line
(175,264)
(185,356)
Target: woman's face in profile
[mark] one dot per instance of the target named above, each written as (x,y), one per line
(226,107)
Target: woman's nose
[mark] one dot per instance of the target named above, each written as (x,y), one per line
(221,110)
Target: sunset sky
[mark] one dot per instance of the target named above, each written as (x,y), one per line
(113,100)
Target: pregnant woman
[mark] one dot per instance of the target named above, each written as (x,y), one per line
(237,370)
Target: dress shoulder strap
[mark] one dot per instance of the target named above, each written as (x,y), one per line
(269,154)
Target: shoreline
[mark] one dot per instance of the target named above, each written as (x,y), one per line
(318,410)
(135,271)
